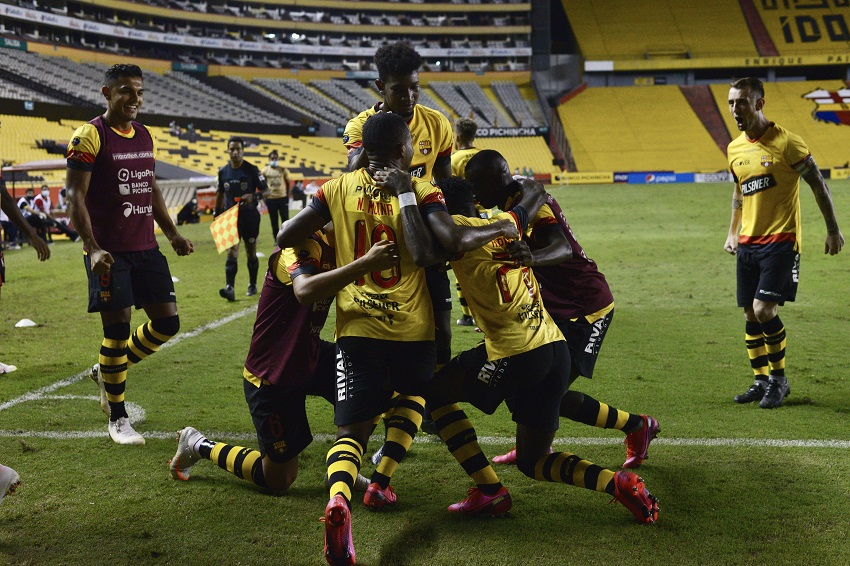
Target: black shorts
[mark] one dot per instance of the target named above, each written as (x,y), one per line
(369,370)
(248,222)
(533,382)
(768,273)
(279,413)
(439,287)
(136,278)
(584,340)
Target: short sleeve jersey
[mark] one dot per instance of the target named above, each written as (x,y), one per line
(119,199)
(285,343)
(459,160)
(573,288)
(274,178)
(430,130)
(768,171)
(387,305)
(505,298)
(235,183)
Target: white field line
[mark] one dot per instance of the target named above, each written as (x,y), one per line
(487,440)
(40,393)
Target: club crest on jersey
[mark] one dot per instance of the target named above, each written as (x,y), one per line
(425,147)
(766,160)
(279,447)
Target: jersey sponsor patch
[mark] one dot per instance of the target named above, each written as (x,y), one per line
(418,171)
(756,184)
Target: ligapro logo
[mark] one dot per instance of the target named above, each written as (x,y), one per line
(130,208)
(123,185)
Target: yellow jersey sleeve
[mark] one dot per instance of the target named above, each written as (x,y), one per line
(352,137)
(83,147)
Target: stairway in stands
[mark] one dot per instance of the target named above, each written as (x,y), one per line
(704,106)
(761,38)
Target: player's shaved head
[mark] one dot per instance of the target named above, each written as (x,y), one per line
(384,132)
(754,85)
(490,177)
(458,195)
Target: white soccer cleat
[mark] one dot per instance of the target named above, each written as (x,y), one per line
(181,465)
(7,368)
(9,482)
(122,433)
(97,377)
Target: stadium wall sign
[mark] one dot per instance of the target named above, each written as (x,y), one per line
(13,44)
(803,60)
(719,177)
(807,24)
(111,31)
(519,132)
(659,178)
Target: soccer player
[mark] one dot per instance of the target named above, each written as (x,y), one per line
(113,202)
(7,203)
(277,178)
(286,362)
(524,357)
(465,130)
(10,481)
(384,322)
(398,82)
(767,161)
(240,182)
(575,293)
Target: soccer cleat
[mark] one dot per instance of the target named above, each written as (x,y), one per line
(775,393)
(478,503)
(630,490)
(7,368)
(377,498)
(181,465)
(508,459)
(637,443)
(228,293)
(9,482)
(252,290)
(466,320)
(361,484)
(98,379)
(122,433)
(754,393)
(339,544)
(376,457)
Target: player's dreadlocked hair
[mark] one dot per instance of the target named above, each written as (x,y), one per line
(458,194)
(115,71)
(466,129)
(384,131)
(397,59)
(752,83)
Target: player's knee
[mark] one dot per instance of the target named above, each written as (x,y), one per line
(571,403)
(764,311)
(169,325)
(117,331)
(278,477)
(526,466)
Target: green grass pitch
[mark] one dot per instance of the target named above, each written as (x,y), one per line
(737,485)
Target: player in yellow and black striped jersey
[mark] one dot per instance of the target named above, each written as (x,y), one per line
(385,331)
(767,162)
(524,357)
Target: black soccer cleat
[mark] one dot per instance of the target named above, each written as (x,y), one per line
(754,393)
(776,392)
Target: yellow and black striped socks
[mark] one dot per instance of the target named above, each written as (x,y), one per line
(585,409)
(343,463)
(756,350)
(402,423)
(563,467)
(457,432)
(244,463)
(113,367)
(774,342)
(464,306)
(149,337)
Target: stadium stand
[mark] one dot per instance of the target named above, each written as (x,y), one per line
(307,100)
(615,29)
(785,104)
(637,129)
(524,113)
(15,91)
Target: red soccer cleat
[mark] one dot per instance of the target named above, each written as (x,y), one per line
(477,503)
(630,490)
(377,498)
(637,443)
(508,459)
(339,544)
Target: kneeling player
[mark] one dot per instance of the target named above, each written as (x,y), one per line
(526,357)
(286,362)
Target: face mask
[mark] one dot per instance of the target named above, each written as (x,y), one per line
(45,194)
(273,163)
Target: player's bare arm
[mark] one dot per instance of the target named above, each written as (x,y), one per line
(555,248)
(299,228)
(834,237)
(731,244)
(443,167)
(180,244)
(7,203)
(77,184)
(309,288)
